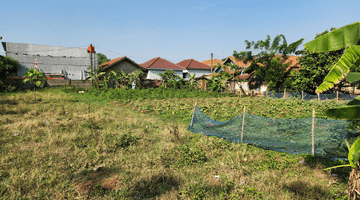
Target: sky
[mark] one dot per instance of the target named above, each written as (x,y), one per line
(173,30)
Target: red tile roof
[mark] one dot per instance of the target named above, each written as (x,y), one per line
(193,64)
(112,62)
(215,62)
(160,63)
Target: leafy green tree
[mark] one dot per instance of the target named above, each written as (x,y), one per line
(102,59)
(345,37)
(8,66)
(168,75)
(35,77)
(94,76)
(314,68)
(268,59)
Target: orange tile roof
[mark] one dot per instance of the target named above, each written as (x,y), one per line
(291,59)
(215,62)
(117,60)
(238,63)
(160,63)
(193,64)
(111,62)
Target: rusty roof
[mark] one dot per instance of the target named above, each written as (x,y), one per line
(215,62)
(112,62)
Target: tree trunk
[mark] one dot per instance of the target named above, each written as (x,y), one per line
(353,190)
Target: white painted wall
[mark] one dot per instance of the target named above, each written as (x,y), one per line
(198,72)
(152,74)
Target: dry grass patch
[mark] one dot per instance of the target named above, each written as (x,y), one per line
(50,149)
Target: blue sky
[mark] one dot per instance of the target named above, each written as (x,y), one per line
(174,30)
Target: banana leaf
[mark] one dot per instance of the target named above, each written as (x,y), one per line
(353,77)
(354,102)
(338,72)
(354,153)
(348,112)
(337,39)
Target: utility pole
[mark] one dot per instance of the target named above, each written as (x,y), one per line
(211,63)
(91,68)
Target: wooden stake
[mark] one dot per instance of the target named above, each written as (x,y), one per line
(302,95)
(285,93)
(242,128)
(337,95)
(312,130)
(192,119)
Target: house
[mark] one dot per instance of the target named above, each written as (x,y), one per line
(67,62)
(215,62)
(232,61)
(251,83)
(159,65)
(194,67)
(124,64)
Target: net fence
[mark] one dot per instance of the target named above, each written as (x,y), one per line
(292,136)
(308,97)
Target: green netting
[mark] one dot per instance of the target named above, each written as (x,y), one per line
(292,136)
(308,97)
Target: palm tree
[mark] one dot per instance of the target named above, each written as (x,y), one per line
(345,37)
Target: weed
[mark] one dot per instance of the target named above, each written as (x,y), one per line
(183,156)
(126,140)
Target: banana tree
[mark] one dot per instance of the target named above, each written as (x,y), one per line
(94,76)
(122,79)
(345,37)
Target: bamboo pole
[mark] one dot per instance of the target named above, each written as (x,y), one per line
(318,97)
(337,95)
(242,128)
(192,119)
(312,130)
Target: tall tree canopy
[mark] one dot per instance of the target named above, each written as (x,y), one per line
(269,59)
(314,68)
(102,59)
(345,37)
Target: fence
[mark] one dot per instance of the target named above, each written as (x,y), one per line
(321,137)
(308,97)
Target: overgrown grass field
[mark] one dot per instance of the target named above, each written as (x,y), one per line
(80,146)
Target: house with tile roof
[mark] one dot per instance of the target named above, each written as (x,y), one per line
(255,85)
(159,65)
(124,64)
(215,62)
(194,67)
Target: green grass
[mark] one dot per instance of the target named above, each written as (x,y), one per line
(49,150)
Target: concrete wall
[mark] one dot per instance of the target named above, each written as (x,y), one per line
(51,59)
(152,74)
(76,83)
(125,66)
